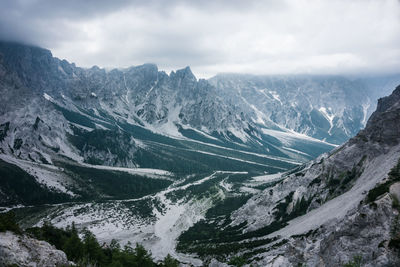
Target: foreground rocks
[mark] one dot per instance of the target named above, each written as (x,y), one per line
(25,251)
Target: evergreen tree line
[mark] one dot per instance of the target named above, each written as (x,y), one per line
(87,251)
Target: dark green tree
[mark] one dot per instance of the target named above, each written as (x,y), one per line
(142,257)
(92,249)
(73,246)
(169,261)
(9,223)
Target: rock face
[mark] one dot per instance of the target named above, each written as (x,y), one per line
(352,194)
(54,111)
(48,100)
(141,92)
(331,108)
(57,121)
(26,251)
(365,233)
(341,207)
(383,126)
(43,95)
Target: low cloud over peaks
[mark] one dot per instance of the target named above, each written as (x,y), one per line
(260,37)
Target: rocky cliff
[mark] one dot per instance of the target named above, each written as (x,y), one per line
(341,208)
(21,250)
(352,194)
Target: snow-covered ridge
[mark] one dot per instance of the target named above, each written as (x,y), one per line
(291,101)
(153,173)
(289,136)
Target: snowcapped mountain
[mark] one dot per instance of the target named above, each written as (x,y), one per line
(340,208)
(116,118)
(330,108)
(207,171)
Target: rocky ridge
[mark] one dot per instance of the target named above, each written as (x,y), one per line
(22,250)
(331,108)
(352,195)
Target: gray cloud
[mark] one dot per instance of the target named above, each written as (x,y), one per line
(260,37)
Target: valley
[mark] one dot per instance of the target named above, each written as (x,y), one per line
(234,168)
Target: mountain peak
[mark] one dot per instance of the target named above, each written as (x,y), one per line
(144,67)
(384,124)
(186,73)
(149,66)
(16,54)
(386,103)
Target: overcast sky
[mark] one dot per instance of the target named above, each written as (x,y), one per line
(211,36)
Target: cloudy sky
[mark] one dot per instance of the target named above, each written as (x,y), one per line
(260,37)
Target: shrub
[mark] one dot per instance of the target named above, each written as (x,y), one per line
(8,222)
(237,261)
(88,251)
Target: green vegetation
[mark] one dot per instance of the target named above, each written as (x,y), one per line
(9,223)
(297,169)
(222,250)
(307,234)
(90,183)
(214,236)
(162,152)
(338,184)
(280,209)
(88,252)
(380,189)
(75,117)
(188,159)
(267,185)
(349,176)
(22,188)
(209,189)
(178,156)
(117,142)
(237,261)
(227,206)
(299,208)
(99,184)
(238,178)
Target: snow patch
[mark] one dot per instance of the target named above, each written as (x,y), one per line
(267,178)
(48,175)
(289,136)
(202,132)
(327,114)
(239,134)
(276,96)
(151,173)
(365,107)
(49,98)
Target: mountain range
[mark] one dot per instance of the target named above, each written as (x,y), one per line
(272,170)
